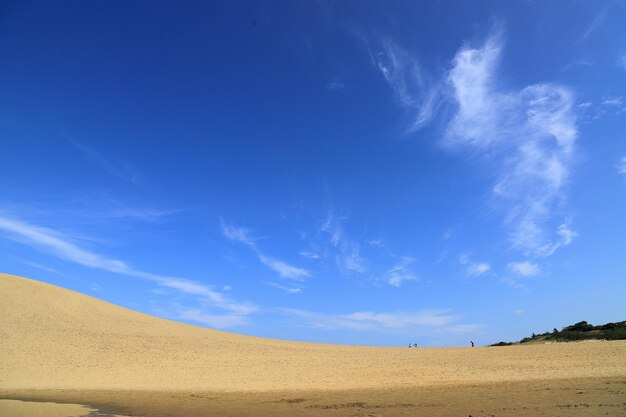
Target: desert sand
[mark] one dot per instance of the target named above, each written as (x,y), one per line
(16,408)
(60,345)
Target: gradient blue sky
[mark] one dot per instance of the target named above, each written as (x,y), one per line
(348,172)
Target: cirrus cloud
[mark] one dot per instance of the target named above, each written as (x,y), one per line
(524,269)
(64,247)
(529,138)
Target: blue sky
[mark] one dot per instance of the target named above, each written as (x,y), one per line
(347,172)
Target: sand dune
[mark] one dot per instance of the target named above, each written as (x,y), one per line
(62,346)
(53,338)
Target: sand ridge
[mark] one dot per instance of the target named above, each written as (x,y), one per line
(54,338)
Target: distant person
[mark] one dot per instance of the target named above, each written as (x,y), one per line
(472,343)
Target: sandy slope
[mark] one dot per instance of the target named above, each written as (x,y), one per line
(53,338)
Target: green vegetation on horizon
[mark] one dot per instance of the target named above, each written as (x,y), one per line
(579,331)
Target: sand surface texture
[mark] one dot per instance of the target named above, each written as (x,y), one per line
(57,343)
(15,408)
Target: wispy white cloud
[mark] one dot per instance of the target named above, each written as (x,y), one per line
(479,107)
(310,255)
(401,272)
(90,209)
(513,282)
(606,106)
(411,87)
(566,234)
(61,246)
(288,290)
(478,268)
(377,243)
(367,320)
(243,236)
(578,63)
(218,321)
(621,167)
(58,245)
(350,259)
(518,271)
(524,269)
(374,321)
(346,251)
(529,137)
(121,170)
(284,269)
(401,70)
(473,269)
(116,210)
(612,101)
(399,320)
(237,234)
(39,266)
(332,227)
(595,23)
